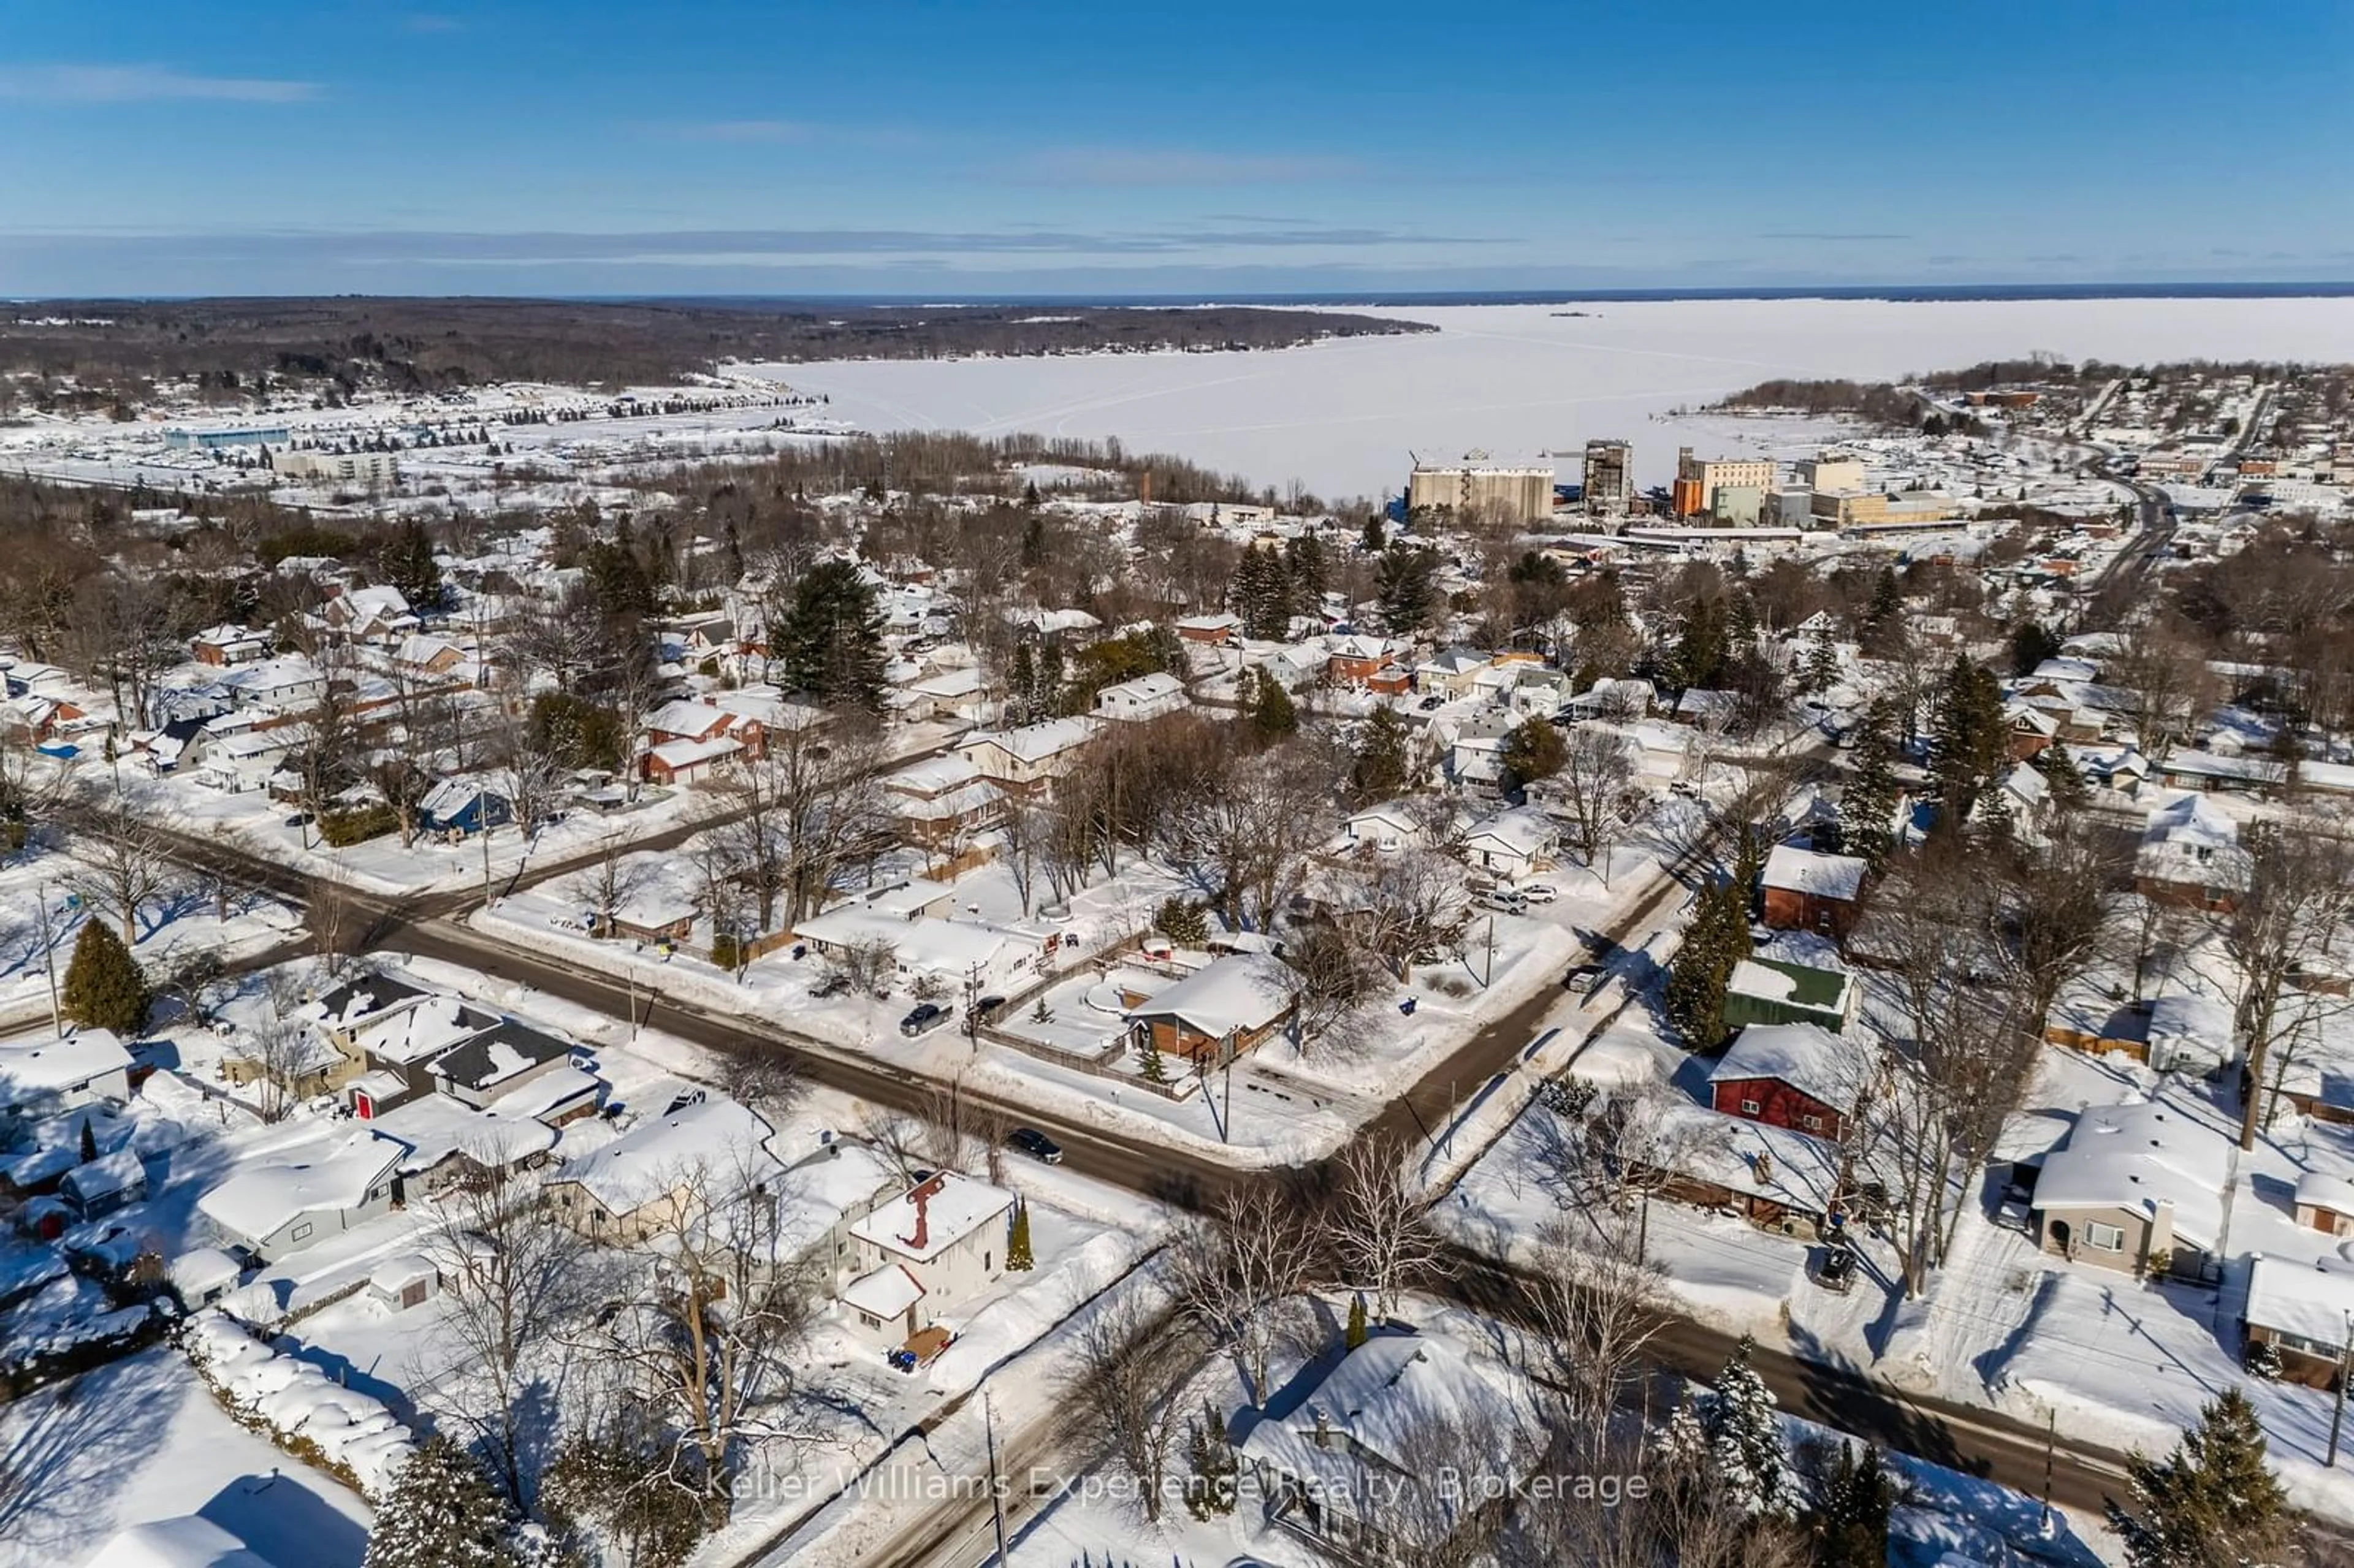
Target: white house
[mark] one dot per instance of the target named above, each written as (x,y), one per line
(938,1245)
(707,1151)
(1027,761)
(1387,828)
(1147,697)
(41,1077)
(956,953)
(1512,844)
(274,1210)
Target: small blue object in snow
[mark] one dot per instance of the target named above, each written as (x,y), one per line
(1406,1006)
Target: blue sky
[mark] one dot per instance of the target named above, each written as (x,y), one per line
(927,149)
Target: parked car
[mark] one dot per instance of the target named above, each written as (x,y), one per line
(1432,704)
(1539,892)
(1035,1144)
(986,1010)
(1584,978)
(1504,901)
(831,985)
(927,1017)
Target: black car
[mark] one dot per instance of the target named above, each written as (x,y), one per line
(927,1017)
(986,1010)
(1035,1144)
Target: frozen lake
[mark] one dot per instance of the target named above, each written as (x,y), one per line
(1342,417)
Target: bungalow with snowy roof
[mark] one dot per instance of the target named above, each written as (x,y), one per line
(2191,856)
(1211,630)
(434,658)
(41,1077)
(500,1059)
(281,1207)
(1512,844)
(1027,761)
(2138,1187)
(461,808)
(955,954)
(186,1540)
(340,1014)
(1148,696)
(925,1253)
(958,695)
(1614,698)
(2304,1312)
(1705,709)
(666,1169)
(1219,1011)
(1794,1075)
(1806,890)
(1329,1469)
(1386,828)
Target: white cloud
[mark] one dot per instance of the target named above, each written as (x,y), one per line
(144,84)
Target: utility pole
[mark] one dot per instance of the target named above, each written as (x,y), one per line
(2050,1441)
(996,1485)
(2345,1365)
(49,962)
(1489,978)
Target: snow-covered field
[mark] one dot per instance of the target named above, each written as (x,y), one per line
(1343,416)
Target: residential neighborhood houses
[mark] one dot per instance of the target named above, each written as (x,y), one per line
(896,933)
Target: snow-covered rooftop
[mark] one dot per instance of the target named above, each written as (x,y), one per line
(45,1066)
(2311,1301)
(1795,870)
(2136,1156)
(1812,1061)
(932,1216)
(255,1203)
(716,1135)
(1243,990)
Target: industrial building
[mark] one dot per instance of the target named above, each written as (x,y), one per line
(374,470)
(1698,480)
(1477,485)
(1609,475)
(1832,471)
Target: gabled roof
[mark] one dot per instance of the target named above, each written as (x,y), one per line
(1794,870)
(655,1158)
(39,1067)
(256,1202)
(1817,1064)
(932,1216)
(1242,991)
(504,1051)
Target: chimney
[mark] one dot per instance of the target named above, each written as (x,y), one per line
(1323,1429)
(1762,1168)
(922,1198)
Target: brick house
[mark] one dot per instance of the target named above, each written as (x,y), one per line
(1809,891)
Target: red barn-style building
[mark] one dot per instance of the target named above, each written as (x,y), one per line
(1790,1075)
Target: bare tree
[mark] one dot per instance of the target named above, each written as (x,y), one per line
(609,885)
(510,1274)
(1337,984)
(2291,917)
(2167,681)
(868,964)
(1128,1367)
(1380,1223)
(1021,835)
(279,1051)
(708,1333)
(1406,903)
(121,865)
(1593,792)
(1238,1273)
(2060,898)
(805,812)
(330,913)
(1599,1304)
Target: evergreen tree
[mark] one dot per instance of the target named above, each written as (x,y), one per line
(2031,644)
(1307,572)
(1355,1335)
(1021,685)
(1018,1257)
(1533,750)
(1210,1487)
(1703,645)
(1182,921)
(1868,804)
(1150,1066)
(1746,1454)
(1716,940)
(2212,1502)
(1047,699)
(1380,771)
(1968,742)
(104,988)
(1852,1526)
(1272,716)
(1374,539)
(1405,585)
(1820,673)
(1883,622)
(89,1141)
(831,638)
(407,563)
(443,1513)
(2058,766)
(1261,592)
(1743,631)
(1681,1445)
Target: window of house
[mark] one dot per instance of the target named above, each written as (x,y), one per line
(1750,1108)
(2107,1238)
(299,1232)
(1812,1123)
